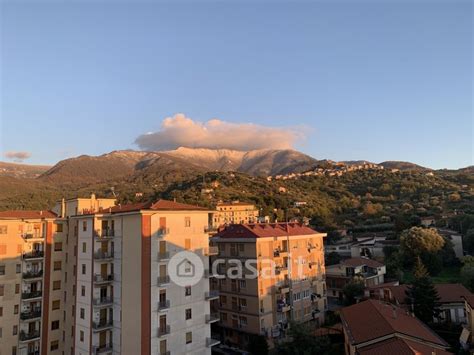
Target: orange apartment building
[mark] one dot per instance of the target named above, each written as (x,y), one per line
(294,291)
(234,212)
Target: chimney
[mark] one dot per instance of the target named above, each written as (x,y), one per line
(41,212)
(394,312)
(63,207)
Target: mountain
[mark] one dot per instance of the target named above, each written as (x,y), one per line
(403,165)
(22,170)
(181,162)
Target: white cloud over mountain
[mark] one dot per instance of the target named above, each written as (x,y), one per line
(17,156)
(182,131)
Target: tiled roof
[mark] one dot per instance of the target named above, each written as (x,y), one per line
(369,320)
(19,214)
(263,230)
(235,204)
(399,346)
(361,262)
(384,285)
(160,205)
(448,293)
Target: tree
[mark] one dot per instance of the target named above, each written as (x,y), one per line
(422,295)
(417,240)
(258,345)
(332,258)
(353,290)
(469,241)
(467,272)
(303,342)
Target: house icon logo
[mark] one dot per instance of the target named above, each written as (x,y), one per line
(185,268)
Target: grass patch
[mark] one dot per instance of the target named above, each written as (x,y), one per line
(448,275)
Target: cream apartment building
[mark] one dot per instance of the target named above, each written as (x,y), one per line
(294,291)
(234,212)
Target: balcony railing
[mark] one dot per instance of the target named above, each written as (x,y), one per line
(213,317)
(105,233)
(209,251)
(100,255)
(25,336)
(34,254)
(99,278)
(32,236)
(102,324)
(210,342)
(163,304)
(33,294)
(214,294)
(103,301)
(163,255)
(32,274)
(162,232)
(102,349)
(36,313)
(210,229)
(163,280)
(166,352)
(163,330)
(33,352)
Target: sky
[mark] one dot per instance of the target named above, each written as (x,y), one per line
(341,80)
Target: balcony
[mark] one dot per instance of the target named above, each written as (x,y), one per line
(101,279)
(283,307)
(164,255)
(28,336)
(100,255)
(162,331)
(33,274)
(36,313)
(31,295)
(32,236)
(210,342)
(284,287)
(163,305)
(103,301)
(210,229)
(210,251)
(278,252)
(212,318)
(212,295)
(35,254)
(102,324)
(162,232)
(163,280)
(33,352)
(102,349)
(167,352)
(104,234)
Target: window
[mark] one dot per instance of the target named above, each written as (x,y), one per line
(16,308)
(223,300)
(241,247)
(243,302)
(83,269)
(187,244)
(18,268)
(81,335)
(224,317)
(83,312)
(54,325)
(83,291)
(187,291)
(2,269)
(187,221)
(54,345)
(2,290)
(57,265)
(243,321)
(59,227)
(19,248)
(189,337)
(243,283)
(17,289)
(58,246)
(188,314)
(3,249)
(56,304)
(56,284)
(1,311)
(84,226)
(84,247)
(3,229)
(13,350)
(1,332)
(15,330)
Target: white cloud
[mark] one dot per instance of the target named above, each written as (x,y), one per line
(17,156)
(181,131)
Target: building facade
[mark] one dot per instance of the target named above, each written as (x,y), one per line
(287,282)
(234,212)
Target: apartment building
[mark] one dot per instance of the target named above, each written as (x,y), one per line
(234,212)
(126,302)
(31,284)
(289,286)
(91,277)
(371,272)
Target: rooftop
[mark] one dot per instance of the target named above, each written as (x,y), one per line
(355,262)
(27,214)
(371,319)
(160,205)
(448,293)
(264,230)
(400,346)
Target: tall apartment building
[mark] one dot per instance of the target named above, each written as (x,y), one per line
(265,305)
(31,282)
(92,278)
(234,212)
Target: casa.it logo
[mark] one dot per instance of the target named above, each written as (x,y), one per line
(185,269)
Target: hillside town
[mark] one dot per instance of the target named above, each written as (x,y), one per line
(93,276)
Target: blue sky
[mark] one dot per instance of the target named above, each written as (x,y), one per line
(374,80)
